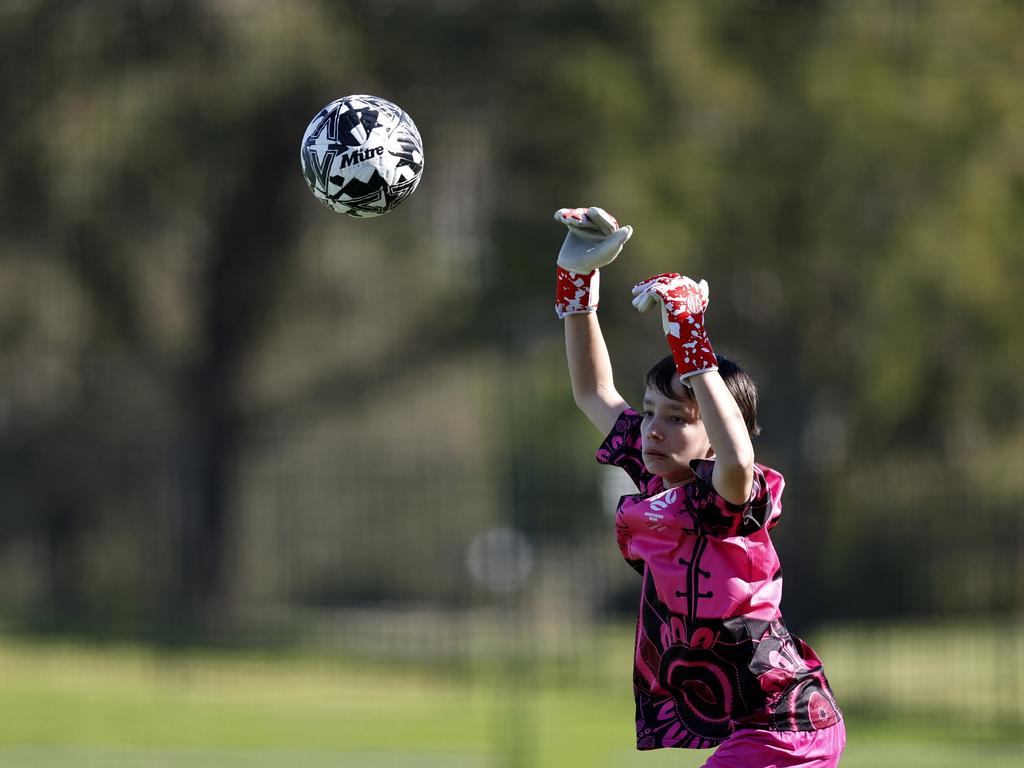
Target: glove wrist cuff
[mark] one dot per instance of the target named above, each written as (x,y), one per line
(692,355)
(576,292)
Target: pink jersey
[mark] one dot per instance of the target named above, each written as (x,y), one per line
(712,653)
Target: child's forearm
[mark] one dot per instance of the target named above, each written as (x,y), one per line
(590,371)
(727,431)
(590,367)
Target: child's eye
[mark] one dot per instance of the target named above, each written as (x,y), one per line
(648,414)
(678,420)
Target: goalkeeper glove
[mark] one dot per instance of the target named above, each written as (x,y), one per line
(683,303)
(594,240)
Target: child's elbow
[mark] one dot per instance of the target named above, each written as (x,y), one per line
(584,401)
(737,459)
(735,477)
(745,460)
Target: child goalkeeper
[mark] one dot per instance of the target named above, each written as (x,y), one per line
(714,664)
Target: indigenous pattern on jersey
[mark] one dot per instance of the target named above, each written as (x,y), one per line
(712,652)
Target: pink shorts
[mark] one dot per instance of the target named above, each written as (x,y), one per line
(781,749)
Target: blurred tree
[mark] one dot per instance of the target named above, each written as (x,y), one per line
(206,365)
(164,193)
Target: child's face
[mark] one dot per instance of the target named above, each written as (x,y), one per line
(672,434)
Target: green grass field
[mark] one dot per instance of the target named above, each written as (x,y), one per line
(72,704)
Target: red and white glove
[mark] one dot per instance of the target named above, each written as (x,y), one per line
(683,303)
(594,240)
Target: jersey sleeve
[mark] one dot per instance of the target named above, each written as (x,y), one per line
(720,518)
(622,448)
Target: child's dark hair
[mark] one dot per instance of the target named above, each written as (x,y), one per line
(741,386)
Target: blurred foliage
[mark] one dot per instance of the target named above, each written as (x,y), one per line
(220,398)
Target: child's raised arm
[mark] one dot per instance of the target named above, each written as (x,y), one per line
(594,240)
(683,303)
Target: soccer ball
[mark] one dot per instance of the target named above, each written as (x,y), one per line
(362,156)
